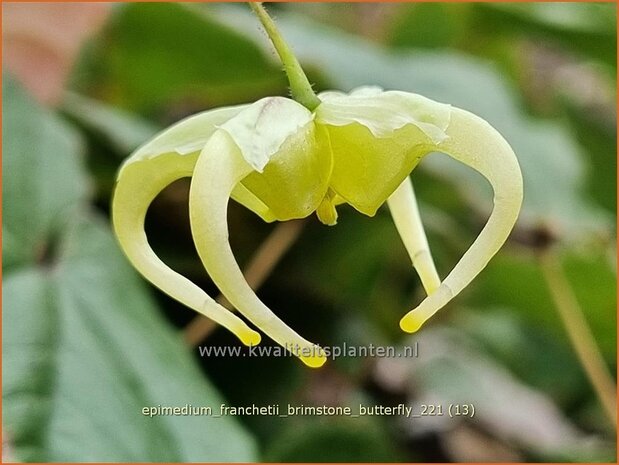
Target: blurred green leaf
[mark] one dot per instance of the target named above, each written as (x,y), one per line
(341,439)
(44,178)
(600,141)
(122,130)
(360,267)
(587,28)
(112,134)
(153,55)
(595,18)
(593,281)
(84,349)
(452,369)
(352,245)
(429,25)
(535,353)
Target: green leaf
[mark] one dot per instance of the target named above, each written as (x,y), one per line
(429,25)
(587,28)
(535,353)
(153,55)
(595,18)
(596,132)
(84,349)
(84,352)
(315,440)
(452,370)
(44,180)
(591,276)
(122,130)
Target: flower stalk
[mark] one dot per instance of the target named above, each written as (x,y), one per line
(579,333)
(300,87)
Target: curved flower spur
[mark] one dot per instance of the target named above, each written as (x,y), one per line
(288,158)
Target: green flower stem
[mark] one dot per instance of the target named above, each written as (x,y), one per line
(300,86)
(580,334)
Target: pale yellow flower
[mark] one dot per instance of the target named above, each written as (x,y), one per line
(283,161)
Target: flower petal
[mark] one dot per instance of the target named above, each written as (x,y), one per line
(291,157)
(403,207)
(187,136)
(261,129)
(367,169)
(137,186)
(384,112)
(220,167)
(475,143)
(377,139)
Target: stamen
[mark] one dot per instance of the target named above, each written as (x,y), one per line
(219,169)
(326,212)
(475,143)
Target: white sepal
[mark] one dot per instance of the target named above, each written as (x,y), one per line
(262,128)
(383,112)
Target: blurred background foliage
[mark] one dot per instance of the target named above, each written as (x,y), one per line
(87,343)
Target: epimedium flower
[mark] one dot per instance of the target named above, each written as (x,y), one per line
(286,158)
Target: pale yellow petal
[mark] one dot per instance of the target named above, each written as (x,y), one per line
(220,167)
(475,143)
(367,169)
(261,128)
(188,136)
(383,112)
(377,139)
(291,158)
(137,186)
(405,213)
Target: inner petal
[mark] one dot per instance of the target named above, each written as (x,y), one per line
(368,169)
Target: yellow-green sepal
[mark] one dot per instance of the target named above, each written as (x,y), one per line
(377,139)
(186,137)
(291,158)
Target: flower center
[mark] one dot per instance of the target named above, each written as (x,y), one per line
(326,212)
